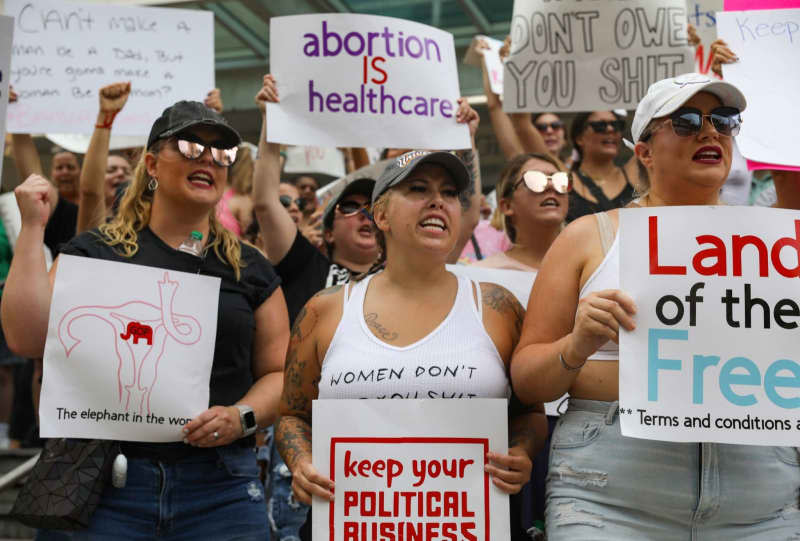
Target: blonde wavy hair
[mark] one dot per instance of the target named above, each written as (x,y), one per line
(122,231)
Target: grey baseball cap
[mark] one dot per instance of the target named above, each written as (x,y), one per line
(402,166)
(361,186)
(186,114)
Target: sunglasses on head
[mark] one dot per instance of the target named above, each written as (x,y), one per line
(287,201)
(536,181)
(601,126)
(193,149)
(688,121)
(555,126)
(349,208)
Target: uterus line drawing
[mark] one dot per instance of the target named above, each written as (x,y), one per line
(136,322)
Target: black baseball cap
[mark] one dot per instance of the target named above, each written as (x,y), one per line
(402,166)
(361,186)
(187,114)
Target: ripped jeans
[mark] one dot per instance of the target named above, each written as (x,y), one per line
(602,485)
(286,515)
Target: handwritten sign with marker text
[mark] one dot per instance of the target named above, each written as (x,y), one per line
(64,53)
(409,469)
(768,46)
(577,56)
(129,351)
(714,355)
(363,80)
(6,33)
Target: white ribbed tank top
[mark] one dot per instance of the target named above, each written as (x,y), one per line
(458,359)
(605,276)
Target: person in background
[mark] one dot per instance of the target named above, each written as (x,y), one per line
(553,132)
(235,209)
(308,186)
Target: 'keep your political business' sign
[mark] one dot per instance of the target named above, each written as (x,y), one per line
(714,356)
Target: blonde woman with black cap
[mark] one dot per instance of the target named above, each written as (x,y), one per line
(602,485)
(206,487)
(413,313)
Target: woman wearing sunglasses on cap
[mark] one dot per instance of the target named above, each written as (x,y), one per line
(207,486)
(602,485)
(598,183)
(413,313)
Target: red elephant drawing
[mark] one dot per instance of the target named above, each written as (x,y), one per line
(142,321)
(139,332)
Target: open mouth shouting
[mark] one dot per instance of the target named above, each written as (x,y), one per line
(709,155)
(434,223)
(202,179)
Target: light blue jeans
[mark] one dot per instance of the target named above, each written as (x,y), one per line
(602,485)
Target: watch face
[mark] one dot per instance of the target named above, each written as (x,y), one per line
(250,419)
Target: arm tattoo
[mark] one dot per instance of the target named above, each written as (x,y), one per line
(328,291)
(293,438)
(472,162)
(372,321)
(504,302)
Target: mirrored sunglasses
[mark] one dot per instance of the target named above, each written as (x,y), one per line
(555,126)
(191,150)
(536,181)
(601,126)
(688,121)
(287,201)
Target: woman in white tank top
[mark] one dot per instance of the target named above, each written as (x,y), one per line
(601,485)
(363,340)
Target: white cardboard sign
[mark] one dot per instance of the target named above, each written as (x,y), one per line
(363,81)
(129,351)
(414,468)
(6,34)
(768,46)
(714,355)
(64,53)
(572,55)
(702,14)
(490,56)
(302,160)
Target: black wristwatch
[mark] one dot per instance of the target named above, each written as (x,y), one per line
(248,419)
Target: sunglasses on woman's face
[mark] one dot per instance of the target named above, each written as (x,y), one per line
(601,126)
(536,181)
(688,121)
(349,208)
(287,201)
(555,126)
(191,150)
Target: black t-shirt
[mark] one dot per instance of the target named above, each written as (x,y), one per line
(304,271)
(61,226)
(231,371)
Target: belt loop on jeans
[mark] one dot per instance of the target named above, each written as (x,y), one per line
(613,409)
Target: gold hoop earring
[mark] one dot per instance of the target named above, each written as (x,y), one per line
(153,184)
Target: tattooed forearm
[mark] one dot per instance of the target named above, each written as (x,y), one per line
(526,431)
(372,321)
(293,438)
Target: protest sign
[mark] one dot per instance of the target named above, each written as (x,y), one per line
(767,44)
(702,14)
(314,161)
(409,469)
(64,53)
(574,56)
(363,81)
(129,351)
(6,33)
(743,5)
(714,355)
(491,57)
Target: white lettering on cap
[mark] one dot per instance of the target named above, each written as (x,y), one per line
(692,78)
(403,160)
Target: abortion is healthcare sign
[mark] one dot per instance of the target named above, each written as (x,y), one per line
(714,356)
(365,81)
(409,469)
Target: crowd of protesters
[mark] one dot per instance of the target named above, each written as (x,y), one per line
(407,261)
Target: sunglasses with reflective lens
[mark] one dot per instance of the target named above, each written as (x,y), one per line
(601,126)
(287,201)
(536,181)
(349,208)
(688,121)
(191,150)
(555,126)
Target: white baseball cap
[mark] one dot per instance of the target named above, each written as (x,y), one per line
(668,95)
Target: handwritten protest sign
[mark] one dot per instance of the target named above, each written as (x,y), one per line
(363,80)
(491,57)
(409,469)
(64,53)
(767,44)
(302,160)
(6,33)
(714,355)
(129,351)
(702,14)
(574,56)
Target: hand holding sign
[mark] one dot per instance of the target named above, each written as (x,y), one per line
(598,319)
(35,200)
(721,54)
(12,96)
(307,482)
(214,427)
(214,100)
(465,114)
(509,472)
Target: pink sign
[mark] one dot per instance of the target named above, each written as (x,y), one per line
(746,5)
(755,166)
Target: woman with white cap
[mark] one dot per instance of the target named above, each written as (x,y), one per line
(603,485)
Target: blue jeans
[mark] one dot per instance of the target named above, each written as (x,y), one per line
(215,497)
(286,515)
(602,485)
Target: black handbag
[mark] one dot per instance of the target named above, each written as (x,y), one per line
(66,484)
